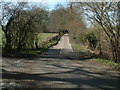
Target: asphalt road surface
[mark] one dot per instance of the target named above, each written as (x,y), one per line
(57,68)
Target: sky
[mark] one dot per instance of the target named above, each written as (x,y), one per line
(64,0)
(49,3)
(52,3)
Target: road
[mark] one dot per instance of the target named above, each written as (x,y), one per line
(57,68)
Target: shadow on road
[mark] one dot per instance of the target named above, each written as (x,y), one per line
(56,69)
(93,81)
(67,54)
(77,76)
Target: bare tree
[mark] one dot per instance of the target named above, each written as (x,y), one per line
(75,23)
(57,19)
(105,14)
(66,18)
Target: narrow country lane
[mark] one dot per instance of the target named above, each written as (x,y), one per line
(57,68)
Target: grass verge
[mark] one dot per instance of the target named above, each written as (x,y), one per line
(32,52)
(82,52)
(108,62)
(86,54)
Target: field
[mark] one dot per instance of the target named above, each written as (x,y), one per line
(45,36)
(42,37)
(0,36)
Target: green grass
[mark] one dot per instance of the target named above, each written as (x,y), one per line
(45,36)
(107,62)
(0,36)
(42,37)
(76,46)
(31,53)
(79,49)
(34,52)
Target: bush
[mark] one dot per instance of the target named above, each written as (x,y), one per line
(91,39)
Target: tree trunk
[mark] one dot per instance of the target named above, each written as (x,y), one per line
(115,51)
(36,44)
(8,45)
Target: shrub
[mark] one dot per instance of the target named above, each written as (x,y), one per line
(91,39)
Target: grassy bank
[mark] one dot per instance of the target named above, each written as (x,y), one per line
(107,62)
(1,32)
(43,38)
(46,36)
(85,53)
(81,50)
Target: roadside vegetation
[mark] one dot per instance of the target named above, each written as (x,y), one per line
(93,28)
(0,36)
(113,65)
(46,42)
(24,30)
(90,55)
